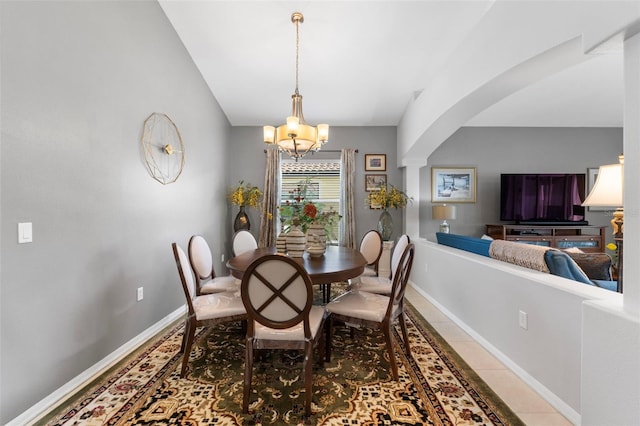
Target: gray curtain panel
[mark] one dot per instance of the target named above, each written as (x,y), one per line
(269,214)
(347,202)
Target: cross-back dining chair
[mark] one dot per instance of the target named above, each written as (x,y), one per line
(278,296)
(205,310)
(201,260)
(243,241)
(382,285)
(358,308)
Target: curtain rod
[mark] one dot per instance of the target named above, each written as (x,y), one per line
(323,150)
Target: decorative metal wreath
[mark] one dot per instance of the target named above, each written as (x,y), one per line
(163,148)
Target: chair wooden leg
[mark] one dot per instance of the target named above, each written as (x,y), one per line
(386,330)
(328,336)
(405,336)
(184,335)
(308,377)
(321,339)
(187,350)
(248,370)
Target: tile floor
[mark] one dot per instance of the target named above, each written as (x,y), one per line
(524,401)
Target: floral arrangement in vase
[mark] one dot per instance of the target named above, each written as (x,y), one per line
(297,209)
(244,195)
(385,198)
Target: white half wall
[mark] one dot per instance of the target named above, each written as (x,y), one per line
(484,296)
(610,365)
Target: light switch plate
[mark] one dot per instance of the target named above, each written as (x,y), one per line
(25,232)
(523,320)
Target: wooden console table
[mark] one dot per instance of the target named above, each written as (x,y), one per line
(587,238)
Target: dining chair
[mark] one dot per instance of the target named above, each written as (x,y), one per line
(243,241)
(201,261)
(278,296)
(382,285)
(205,310)
(371,249)
(357,308)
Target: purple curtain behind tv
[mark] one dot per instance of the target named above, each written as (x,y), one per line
(543,197)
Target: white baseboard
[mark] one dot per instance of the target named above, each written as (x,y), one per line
(45,405)
(572,415)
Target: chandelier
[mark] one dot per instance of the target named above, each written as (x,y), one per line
(296,137)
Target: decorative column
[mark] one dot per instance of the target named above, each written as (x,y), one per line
(412,189)
(631,134)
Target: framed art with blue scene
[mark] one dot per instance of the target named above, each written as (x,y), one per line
(453,184)
(375,162)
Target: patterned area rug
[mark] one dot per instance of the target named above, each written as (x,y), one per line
(435,386)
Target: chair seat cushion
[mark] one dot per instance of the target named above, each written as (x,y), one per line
(212,306)
(360,304)
(369,272)
(220,284)
(379,285)
(316,315)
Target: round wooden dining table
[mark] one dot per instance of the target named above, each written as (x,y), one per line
(337,264)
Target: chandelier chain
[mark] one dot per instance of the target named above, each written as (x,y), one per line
(297,50)
(296,137)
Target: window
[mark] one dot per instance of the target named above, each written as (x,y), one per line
(323,188)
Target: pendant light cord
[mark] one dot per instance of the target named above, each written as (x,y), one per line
(297,22)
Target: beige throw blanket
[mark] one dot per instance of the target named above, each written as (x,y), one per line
(527,255)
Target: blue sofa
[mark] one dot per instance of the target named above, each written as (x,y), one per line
(559,262)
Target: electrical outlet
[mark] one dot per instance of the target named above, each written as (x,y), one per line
(523,320)
(222,257)
(140,293)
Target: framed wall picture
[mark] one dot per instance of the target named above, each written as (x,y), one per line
(375,163)
(453,185)
(372,204)
(592,175)
(375,182)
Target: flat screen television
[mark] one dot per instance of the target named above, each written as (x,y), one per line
(542,198)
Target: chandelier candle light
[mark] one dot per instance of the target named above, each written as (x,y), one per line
(296,137)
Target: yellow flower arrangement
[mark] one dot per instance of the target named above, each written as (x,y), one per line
(389,197)
(245,195)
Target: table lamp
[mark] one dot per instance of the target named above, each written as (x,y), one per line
(444,212)
(609,191)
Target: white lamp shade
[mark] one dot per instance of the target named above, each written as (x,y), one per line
(609,187)
(269,134)
(292,124)
(323,132)
(443,212)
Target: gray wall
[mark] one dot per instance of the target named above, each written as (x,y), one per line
(78,80)
(514,150)
(247,162)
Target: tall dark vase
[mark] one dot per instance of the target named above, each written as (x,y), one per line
(385,225)
(241,221)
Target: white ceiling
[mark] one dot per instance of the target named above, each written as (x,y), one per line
(362,61)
